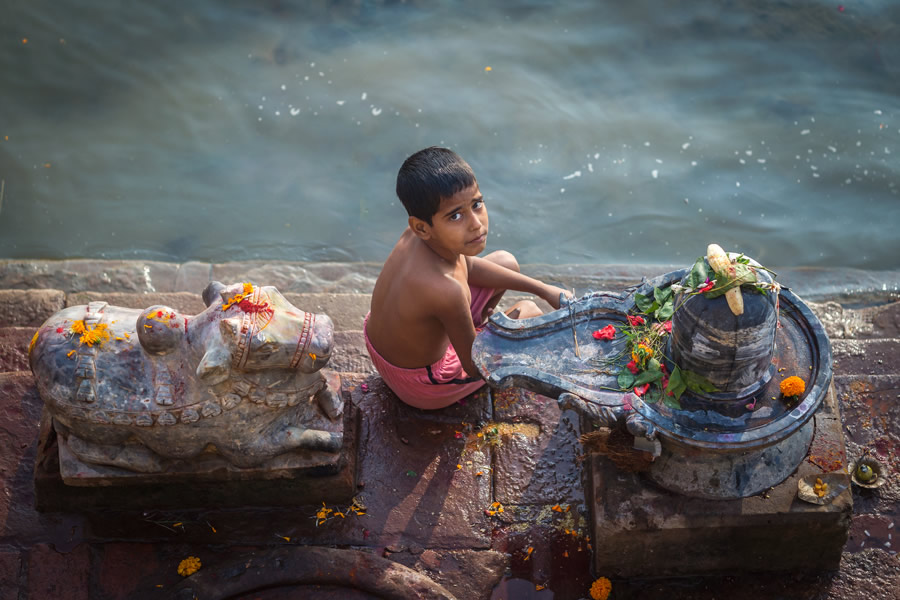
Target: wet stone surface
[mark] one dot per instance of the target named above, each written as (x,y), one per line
(113,555)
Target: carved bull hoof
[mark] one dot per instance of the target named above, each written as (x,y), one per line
(141,389)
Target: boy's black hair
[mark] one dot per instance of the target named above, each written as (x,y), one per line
(429,175)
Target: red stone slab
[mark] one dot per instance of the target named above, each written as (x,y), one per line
(537,461)
(60,576)
(10,564)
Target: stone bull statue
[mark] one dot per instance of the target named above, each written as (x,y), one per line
(139,389)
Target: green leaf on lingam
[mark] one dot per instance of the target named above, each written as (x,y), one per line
(663,295)
(665,312)
(645,304)
(676,386)
(652,373)
(672,402)
(626,379)
(697,276)
(698,383)
(743,274)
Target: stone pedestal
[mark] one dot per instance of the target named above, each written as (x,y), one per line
(295,478)
(643,530)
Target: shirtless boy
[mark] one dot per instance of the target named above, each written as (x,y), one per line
(434,291)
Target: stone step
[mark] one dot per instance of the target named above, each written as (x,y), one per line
(816,283)
(14,343)
(28,308)
(873,322)
(865,357)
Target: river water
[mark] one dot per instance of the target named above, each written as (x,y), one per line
(600,132)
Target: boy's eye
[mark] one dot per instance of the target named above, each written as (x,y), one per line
(478,204)
(456,216)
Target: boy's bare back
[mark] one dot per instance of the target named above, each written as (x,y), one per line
(415,289)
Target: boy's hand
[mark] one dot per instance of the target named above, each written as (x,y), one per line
(551,295)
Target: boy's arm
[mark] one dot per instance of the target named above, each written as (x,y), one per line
(486,274)
(452,309)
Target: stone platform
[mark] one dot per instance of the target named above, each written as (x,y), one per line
(286,480)
(422,510)
(647,528)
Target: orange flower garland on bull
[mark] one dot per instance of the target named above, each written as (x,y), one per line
(646,374)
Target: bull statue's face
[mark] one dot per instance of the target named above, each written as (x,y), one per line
(259,329)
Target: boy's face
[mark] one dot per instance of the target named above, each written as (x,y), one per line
(460,225)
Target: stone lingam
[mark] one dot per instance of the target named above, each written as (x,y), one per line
(154,396)
(690,363)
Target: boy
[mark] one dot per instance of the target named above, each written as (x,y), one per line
(434,291)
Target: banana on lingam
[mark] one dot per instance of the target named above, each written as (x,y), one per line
(720,263)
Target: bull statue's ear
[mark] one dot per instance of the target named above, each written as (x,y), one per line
(212,290)
(215,366)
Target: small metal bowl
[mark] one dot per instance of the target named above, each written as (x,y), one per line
(879,472)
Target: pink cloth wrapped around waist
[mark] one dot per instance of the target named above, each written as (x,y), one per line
(440,384)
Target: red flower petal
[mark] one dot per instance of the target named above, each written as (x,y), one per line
(632,366)
(641,390)
(668,326)
(635,321)
(607,333)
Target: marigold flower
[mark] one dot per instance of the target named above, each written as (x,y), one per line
(634,321)
(792,386)
(601,588)
(189,566)
(607,333)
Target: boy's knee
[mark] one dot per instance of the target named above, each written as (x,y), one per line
(504,259)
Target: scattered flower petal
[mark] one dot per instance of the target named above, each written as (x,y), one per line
(189,566)
(607,333)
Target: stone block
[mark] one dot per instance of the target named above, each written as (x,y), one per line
(192,277)
(302,277)
(61,576)
(286,480)
(349,353)
(865,357)
(346,310)
(469,574)
(10,564)
(28,308)
(649,531)
(124,569)
(84,274)
(538,463)
(14,343)
(870,407)
(184,302)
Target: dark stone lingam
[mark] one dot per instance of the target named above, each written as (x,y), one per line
(733,443)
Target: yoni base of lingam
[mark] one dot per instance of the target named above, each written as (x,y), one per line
(156,398)
(722,380)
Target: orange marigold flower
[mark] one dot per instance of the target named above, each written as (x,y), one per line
(792,386)
(78,327)
(189,566)
(601,588)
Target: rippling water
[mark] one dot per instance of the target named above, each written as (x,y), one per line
(607,132)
